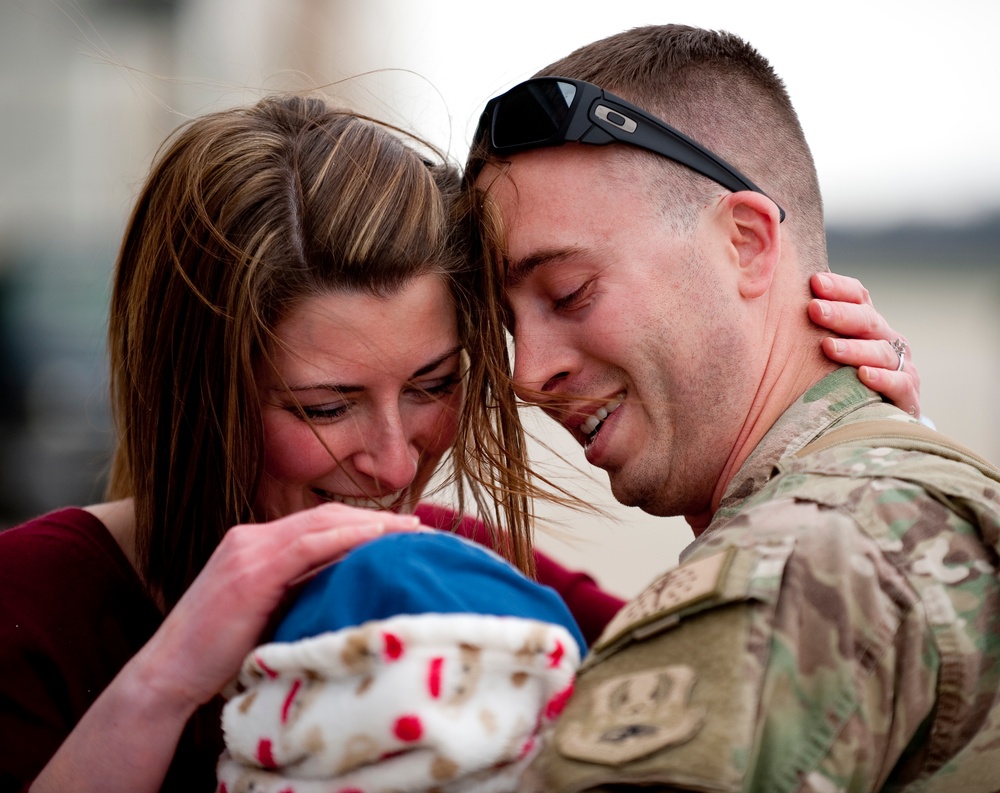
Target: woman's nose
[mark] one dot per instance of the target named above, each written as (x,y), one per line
(389,457)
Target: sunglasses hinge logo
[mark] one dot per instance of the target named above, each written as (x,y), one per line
(615,118)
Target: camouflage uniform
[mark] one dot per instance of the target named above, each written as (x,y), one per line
(836,628)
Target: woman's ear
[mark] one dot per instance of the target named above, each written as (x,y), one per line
(755,236)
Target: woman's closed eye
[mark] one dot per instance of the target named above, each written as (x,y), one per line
(321,412)
(437,387)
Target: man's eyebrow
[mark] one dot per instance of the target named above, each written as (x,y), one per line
(520,269)
(345,388)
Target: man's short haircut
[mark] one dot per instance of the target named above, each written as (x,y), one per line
(719,90)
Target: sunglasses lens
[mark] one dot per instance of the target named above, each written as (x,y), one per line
(532,114)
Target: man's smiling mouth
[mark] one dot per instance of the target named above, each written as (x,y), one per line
(591,425)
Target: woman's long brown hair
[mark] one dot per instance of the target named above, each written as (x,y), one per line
(245,213)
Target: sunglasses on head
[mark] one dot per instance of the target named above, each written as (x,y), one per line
(550,111)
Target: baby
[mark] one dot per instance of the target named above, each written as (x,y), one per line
(419,662)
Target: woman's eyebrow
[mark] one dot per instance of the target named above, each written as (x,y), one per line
(438,361)
(345,388)
(333,387)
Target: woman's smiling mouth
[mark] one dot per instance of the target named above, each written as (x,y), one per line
(385,503)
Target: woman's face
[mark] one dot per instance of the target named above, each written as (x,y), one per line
(378,386)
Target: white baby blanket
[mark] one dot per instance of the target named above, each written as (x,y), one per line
(448,702)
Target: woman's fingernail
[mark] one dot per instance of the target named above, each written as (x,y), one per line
(824,309)
(825,281)
(839,347)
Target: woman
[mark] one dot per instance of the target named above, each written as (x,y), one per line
(286,332)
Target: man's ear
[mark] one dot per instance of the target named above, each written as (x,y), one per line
(755,237)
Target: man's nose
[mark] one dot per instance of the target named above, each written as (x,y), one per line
(541,363)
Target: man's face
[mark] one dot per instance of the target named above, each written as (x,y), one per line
(625,326)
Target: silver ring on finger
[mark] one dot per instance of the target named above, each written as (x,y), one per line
(899,347)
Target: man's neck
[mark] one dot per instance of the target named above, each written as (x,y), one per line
(790,372)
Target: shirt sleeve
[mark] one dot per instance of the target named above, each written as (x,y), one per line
(61,633)
(591,606)
(72,612)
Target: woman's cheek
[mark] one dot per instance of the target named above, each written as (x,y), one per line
(439,436)
(292,452)
(447,429)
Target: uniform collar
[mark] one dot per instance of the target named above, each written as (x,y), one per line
(837,395)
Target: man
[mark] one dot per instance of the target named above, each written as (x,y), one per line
(834,626)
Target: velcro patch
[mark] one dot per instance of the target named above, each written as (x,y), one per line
(675,590)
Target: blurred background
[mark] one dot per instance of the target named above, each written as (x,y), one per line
(898,100)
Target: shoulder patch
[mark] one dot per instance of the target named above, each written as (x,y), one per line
(673,711)
(634,715)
